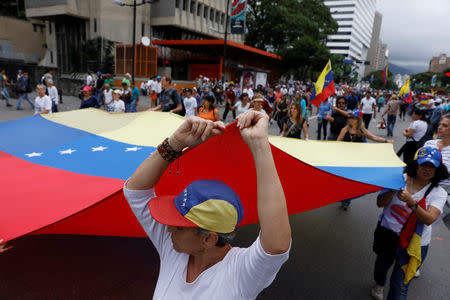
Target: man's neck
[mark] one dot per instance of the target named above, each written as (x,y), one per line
(203,261)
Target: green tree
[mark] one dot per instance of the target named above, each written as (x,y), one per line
(296,30)
(378,81)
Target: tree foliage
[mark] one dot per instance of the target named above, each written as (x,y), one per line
(296,30)
(378,81)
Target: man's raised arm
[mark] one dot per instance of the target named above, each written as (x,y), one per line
(272,210)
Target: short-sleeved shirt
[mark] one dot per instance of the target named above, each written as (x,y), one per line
(324,109)
(367,105)
(397,212)
(169,99)
(240,109)
(242,274)
(190,105)
(445,152)
(420,128)
(118,106)
(340,121)
(134,93)
(42,104)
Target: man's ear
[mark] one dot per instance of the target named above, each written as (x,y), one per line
(211,239)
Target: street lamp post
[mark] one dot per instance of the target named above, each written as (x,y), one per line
(134,5)
(224,57)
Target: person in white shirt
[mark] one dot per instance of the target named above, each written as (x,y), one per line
(144,88)
(192,231)
(414,133)
(89,79)
(249,91)
(108,98)
(242,105)
(118,105)
(284,90)
(53,94)
(42,103)
(190,104)
(368,107)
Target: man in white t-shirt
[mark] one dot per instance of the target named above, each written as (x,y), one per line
(190,104)
(42,103)
(192,231)
(249,91)
(89,79)
(368,107)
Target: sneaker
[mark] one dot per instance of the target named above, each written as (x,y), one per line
(417,274)
(377,292)
(8,105)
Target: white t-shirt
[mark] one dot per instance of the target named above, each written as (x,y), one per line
(118,106)
(445,152)
(241,109)
(249,92)
(367,105)
(242,274)
(89,80)
(190,105)
(420,128)
(42,104)
(107,95)
(397,212)
(53,94)
(158,87)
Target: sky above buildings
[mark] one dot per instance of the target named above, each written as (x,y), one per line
(415,31)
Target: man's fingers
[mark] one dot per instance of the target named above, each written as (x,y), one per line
(219,125)
(207,132)
(194,126)
(200,129)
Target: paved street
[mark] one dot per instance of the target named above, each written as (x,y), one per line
(331,256)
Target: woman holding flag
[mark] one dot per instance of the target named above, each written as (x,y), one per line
(403,233)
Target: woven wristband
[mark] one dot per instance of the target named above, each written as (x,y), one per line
(167,152)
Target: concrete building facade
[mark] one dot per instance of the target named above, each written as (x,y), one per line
(372,52)
(353,38)
(68,23)
(439,63)
(381,56)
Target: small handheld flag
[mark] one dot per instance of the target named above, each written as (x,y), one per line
(324,86)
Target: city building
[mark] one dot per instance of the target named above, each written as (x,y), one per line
(439,63)
(355,19)
(381,56)
(68,23)
(372,52)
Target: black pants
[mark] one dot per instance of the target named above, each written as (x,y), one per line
(366,120)
(227,109)
(409,150)
(403,110)
(322,125)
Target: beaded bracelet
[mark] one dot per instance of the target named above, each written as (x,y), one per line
(167,152)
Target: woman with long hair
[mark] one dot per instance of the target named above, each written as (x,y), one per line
(417,205)
(356,132)
(295,123)
(242,105)
(208,111)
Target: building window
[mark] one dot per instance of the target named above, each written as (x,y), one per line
(177,3)
(34,27)
(222,19)
(51,57)
(142,29)
(95,25)
(211,14)
(199,9)
(185,4)
(217,17)
(49,27)
(205,12)
(192,10)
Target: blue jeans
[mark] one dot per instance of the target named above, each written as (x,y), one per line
(322,125)
(131,107)
(24,96)
(390,124)
(6,95)
(397,289)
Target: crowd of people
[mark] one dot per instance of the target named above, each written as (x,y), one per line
(348,115)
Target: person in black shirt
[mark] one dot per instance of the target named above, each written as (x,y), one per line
(294,124)
(281,108)
(337,119)
(169,99)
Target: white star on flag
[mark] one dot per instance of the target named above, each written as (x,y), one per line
(33,154)
(100,148)
(68,151)
(133,149)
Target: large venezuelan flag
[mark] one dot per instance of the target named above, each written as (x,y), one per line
(324,86)
(405,92)
(63,173)
(385,73)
